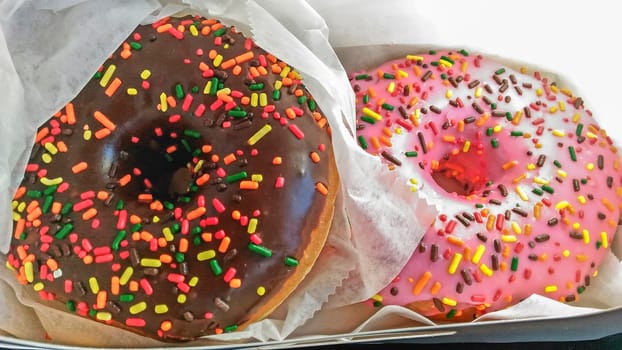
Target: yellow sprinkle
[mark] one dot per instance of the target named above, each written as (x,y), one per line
(207,87)
(391,87)
(278,84)
(127,274)
(485,269)
(414,58)
(553,109)
(39,286)
(586,236)
(368,112)
(145,262)
(576,117)
(285,71)
(479,252)
(168,234)
(464,67)
(193,281)
(132,91)
(155,219)
(261,291)
(449,302)
(259,134)
(478,92)
(581,199)
(566,253)
(531,166)
(589,166)
(562,205)
(562,106)
(163,103)
(466,146)
(46,157)
(604,239)
(550,289)
(16,216)
(562,173)
(497,128)
(413,181)
(94,285)
(51,148)
(539,92)
(51,182)
(206,255)
(254,99)
(217,60)
(181,298)
(402,74)
(199,165)
(517,117)
(540,181)
(591,135)
(193,30)
(103,316)
(455,261)
(448,94)
(263,99)
(161,309)
(508,238)
(138,308)
(521,193)
(257,177)
(107,75)
(145,74)
(516,228)
(29,271)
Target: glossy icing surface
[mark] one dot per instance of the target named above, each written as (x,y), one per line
(177,192)
(526,182)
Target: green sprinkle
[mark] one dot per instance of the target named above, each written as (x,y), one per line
(194,89)
(432,52)
(231,328)
(168,205)
(548,189)
(494,143)
(584,181)
(599,244)
(580,289)
(186,145)
(92,312)
(365,98)
(362,142)
(116,243)
(236,177)
(120,204)
(126,298)
(388,107)
(514,263)
(479,205)
(70,305)
(50,190)
(197,240)
(493,106)
(237,114)
(388,76)
(289,261)
(256,87)
(451,314)
(435,63)
(220,32)
(261,250)
(136,227)
(176,227)
(276,95)
(67,207)
(34,194)
(168,157)
(63,232)
(179,91)
(557,163)
(196,230)
(302,99)
(573,155)
(500,71)
(196,152)
(369,120)
(216,269)
(508,116)
(180,257)
(136,46)
(463,52)
(214,87)
(445,58)
(516,133)
(98,75)
(411,154)
(537,191)
(192,133)
(312,105)
(488,131)
(443,76)
(377,304)
(579,129)
(23,236)
(361,76)
(47,204)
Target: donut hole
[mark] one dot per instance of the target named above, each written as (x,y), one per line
(464,174)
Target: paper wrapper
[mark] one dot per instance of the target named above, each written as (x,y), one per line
(533,34)
(48,51)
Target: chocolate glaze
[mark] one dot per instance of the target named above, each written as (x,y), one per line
(287,215)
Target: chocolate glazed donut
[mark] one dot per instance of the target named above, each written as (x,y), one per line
(185,191)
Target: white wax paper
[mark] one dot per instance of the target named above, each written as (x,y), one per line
(570,41)
(53,47)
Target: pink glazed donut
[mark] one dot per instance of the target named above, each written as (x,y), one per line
(527,184)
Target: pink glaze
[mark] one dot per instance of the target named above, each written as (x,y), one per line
(526,183)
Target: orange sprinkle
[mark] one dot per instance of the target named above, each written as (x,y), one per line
(436,287)
(163,28)
(21,252)
(509,165)
(32,206)
(135,219)
(423,280)
(228,64)
(183,245)
(114,85)
(298,92)
(89,214)
(62,147)
(102,133)
(102,195)
(277,161)
(125,54)
(134,286)
(87,260)
(235,283)
(203,66)
(215,158)
(103,120)
(115,285)
(315,157)
(236,215)
(34,214)
(276,69)
(102,297)
(20,192)
(80,167)
(156,206)
(249,185)
(455,241)
(206,148)
(254,72)
(217,26)
(320,187)
(224,244)
(205,31)
(228,159)
(145,197)
(19,228)
(162,242)
(41,134)
(202,180)
(245,100)
(52,264)
(146,236)
(166,258)
(136,236)
(247,56)
(206,237)
(196,213)
(171,101)
(71,115)
(56,207)
(237,70)
(170,149)
(125,180)
(262,70)
(375,142)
